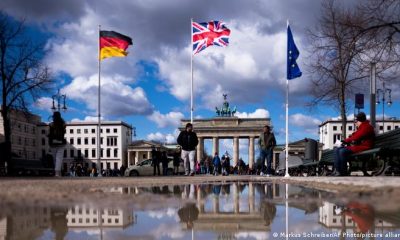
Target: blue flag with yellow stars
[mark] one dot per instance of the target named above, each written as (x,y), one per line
(293,70)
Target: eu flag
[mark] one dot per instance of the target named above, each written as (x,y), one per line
(293,70)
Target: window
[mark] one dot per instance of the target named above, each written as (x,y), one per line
(101,154)
(73,220)
(79,153)
(107,130)
(116,220)
(93,153)
(71,131)
(115,165)
(86,152)
(71,141)
(109,220)
(86,141)
(43,141)
(78,131)
(72,153)
(93,141)
(396,127)
(93,130)
(389,128)
(33,142)
(43,131)
(108,152)
(86,131)
(115,130)
(334,128)
(111,141)
(79,141)
(334,220)
(101,141)
(336,137)
(87,220)
(116,152)
(381,128)
(80,220)
(350,128)
(19,141)
(94,220)
(65,153)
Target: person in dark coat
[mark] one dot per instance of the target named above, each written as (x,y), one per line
(267,143)
(155,161)
(360,140)
(164,162)
(177,162)
(187,139)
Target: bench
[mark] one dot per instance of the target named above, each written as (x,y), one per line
(384,155)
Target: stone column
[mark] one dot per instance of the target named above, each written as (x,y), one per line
(129,157)
(200,148)
(216,204)
(235,151)
(136,157)
(215,146)
(251,198)
(236,199)
(149,154)
(251,152)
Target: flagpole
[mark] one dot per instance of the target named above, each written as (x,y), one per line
(287,117)
(99,113)
(191,70)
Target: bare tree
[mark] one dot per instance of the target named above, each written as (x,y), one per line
(23,75)
(342,47)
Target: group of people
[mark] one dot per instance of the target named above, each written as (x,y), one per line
(362,139)
(188,141)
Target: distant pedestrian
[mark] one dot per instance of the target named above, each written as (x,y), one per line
(207,165)
(164,162)
(187,139)
(155,161)
(216,163)
(177,162)
(267,143)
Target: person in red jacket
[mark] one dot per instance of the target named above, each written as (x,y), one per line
(360,140)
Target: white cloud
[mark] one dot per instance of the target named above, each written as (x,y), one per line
(169,138)
(171,119)
(117,98)
(305,121)
(87,119)
(44,103)
(258,113)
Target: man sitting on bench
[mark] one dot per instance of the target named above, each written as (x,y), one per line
(360,140)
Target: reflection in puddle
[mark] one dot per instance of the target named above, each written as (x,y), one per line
(209,211)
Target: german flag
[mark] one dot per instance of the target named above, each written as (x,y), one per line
(113,44)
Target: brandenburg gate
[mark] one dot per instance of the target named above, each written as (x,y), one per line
(227,126)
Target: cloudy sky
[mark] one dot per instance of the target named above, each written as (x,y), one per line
(150,88)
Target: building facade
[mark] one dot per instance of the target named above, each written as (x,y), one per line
(23,134)
(331,130)
(81,147)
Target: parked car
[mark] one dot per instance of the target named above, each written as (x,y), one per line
(145,168)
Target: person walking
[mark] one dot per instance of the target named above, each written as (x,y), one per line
(267,143)
(155,161)
(360,140)
(207,165)
(164,162)
(177,162)
(188,141)
(216,164)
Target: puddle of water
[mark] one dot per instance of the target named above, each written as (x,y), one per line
(212,211)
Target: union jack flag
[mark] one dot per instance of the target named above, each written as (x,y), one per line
(209,33)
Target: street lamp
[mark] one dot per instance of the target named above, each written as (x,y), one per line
(382,93)
(58,98)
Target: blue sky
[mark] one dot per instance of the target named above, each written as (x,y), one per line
(150,88)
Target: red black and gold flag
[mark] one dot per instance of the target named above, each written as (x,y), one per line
(113,44)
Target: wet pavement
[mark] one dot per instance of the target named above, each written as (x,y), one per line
(235,207)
